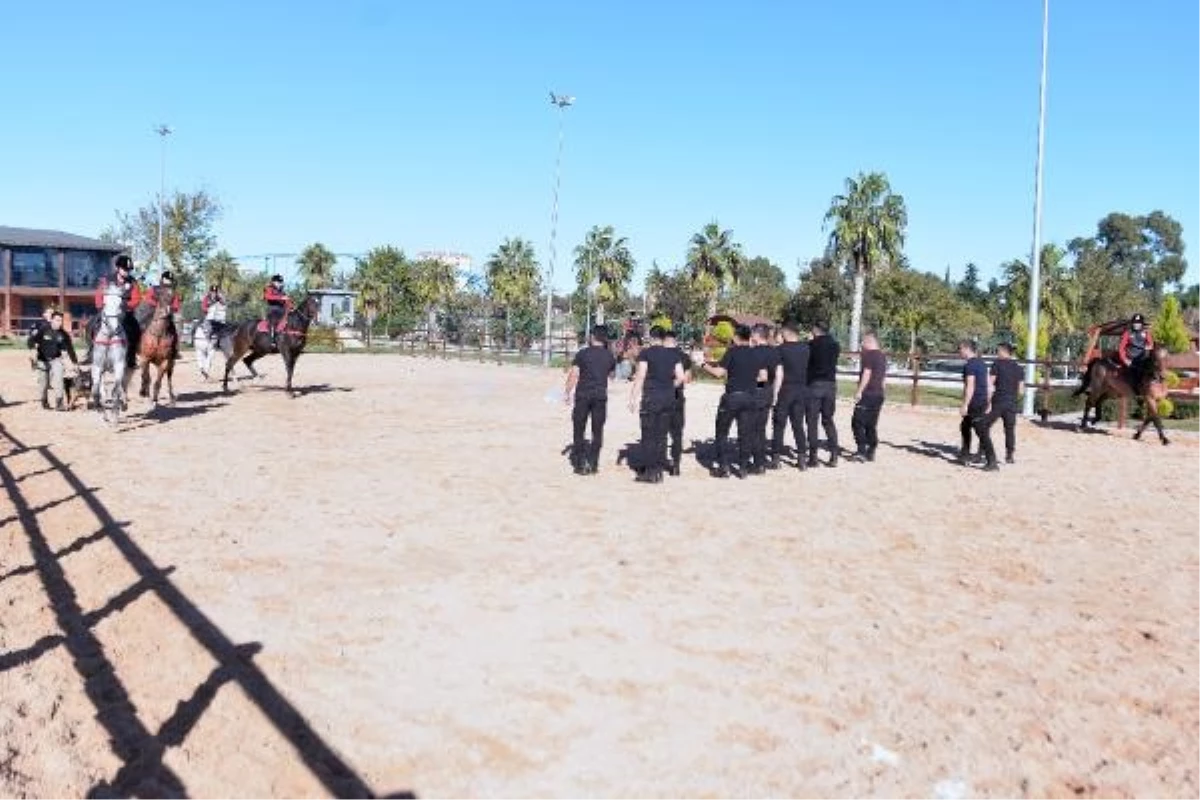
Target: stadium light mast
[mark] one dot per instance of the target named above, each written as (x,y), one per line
(562,101)
(163,132)
(1035,261)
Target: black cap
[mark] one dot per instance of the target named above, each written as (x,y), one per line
(276,278)
(1138,318)
(124,262)
(166,277)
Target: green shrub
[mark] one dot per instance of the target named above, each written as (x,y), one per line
(1171,379)
(322,338)
(723,332)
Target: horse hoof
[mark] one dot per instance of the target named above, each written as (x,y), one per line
(1137,437)
(1166,441)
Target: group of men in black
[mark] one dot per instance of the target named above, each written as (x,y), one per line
(770,382)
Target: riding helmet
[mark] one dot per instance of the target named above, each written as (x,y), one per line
(166,278)
(277,278)
(1137,318)
(124,262)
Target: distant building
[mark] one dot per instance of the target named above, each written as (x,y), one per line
(336,306)
(40,268)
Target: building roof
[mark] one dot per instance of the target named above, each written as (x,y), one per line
(32,237)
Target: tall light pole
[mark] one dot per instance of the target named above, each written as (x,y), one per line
(1035,261)
(163,132)
(562,101)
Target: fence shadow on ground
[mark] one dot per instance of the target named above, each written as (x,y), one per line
(141,751)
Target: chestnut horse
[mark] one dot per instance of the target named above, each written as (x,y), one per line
(157,346)
(1105,378)
(252,340)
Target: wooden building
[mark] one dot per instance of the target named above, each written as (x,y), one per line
(40,268)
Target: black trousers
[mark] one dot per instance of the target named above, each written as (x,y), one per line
(678,417)
(742,407)
(821,403)
(594,408)
(763,399)
(865,422)
(980,422)
(1005,410)
(656,422)
(790,407)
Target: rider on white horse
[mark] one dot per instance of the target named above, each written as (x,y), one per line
(215,309)
(122,284)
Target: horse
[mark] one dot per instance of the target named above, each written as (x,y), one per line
(110,344)
(252,339)
(208,337)
(157,346)
(1104,379)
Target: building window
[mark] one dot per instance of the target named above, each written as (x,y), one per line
(80,311)
(85,268)
(37,269)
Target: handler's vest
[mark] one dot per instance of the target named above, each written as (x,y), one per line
(1137,345)
(216,311)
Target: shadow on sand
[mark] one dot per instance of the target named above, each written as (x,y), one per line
(140,750)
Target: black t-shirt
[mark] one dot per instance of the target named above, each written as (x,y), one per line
(768,357)
(741,364)
(977,368)
(595,364)
(875,361)
(686,361)
(794,358)
(823,353)
(660,368)
(1009,375)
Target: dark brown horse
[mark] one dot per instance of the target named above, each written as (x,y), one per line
(252,339)
(157,346)
(1106,379)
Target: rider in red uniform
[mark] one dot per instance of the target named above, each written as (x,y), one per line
(132,293)
(167,281)
(278,304)
(1136,350)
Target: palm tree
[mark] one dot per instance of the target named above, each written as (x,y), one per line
(513,279)
(715,261)
(868,233)
(316,265)
(221,270)
(379,278)
(433,281)
(604,259)
(1059,299)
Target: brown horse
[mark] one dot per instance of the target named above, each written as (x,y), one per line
(1106,379)
(252,340)
(157,346)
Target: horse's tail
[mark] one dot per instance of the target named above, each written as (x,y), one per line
(1086,380)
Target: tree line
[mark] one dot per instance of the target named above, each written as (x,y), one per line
(863,279)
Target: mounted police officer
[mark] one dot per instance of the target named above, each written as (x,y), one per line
(278,304)
(1136,351)
(166,283)
(131,294)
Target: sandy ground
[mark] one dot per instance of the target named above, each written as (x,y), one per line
(394,584)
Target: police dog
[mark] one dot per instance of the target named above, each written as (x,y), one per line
(77,387)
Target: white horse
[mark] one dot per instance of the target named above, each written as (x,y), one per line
(109,348)
(208,337)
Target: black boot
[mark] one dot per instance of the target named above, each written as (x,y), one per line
(833,459)
(812,460)
(870,455)
(673,471)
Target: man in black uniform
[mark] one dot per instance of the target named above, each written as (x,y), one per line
(768,356)
(587,387)
(868,399)
(678,416)
(659,374)
(741,370)
(791,385)
(823,352)
(49,345)
(1008,383)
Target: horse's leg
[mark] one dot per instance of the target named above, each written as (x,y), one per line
(171,382)
(237,346)
(145,391)
(159,369)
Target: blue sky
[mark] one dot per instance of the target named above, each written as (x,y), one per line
(428,125)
